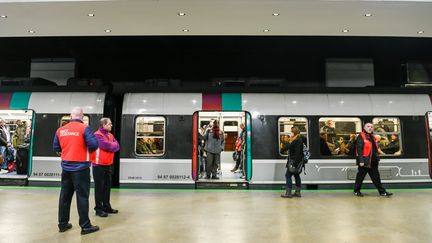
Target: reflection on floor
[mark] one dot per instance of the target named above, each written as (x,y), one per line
(30,215)
(227,164)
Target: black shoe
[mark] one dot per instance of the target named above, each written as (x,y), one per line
(65,228)
(215,178)
(358,194)
(386,194)
(102,214)
(90,229)
(111,210)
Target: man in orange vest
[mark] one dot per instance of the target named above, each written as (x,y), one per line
(367,161)
(102,160)
(73,141)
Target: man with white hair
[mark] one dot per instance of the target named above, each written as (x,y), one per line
(367,151)
(73,141)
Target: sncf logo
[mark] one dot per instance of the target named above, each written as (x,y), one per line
(67,133)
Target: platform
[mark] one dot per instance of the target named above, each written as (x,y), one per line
(30,215)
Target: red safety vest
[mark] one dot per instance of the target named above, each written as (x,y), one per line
(72,143)
(367,146)
(100,156)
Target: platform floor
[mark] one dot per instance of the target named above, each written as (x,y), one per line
(30,215)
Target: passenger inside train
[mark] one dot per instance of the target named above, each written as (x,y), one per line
(15,134)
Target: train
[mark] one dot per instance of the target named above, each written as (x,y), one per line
(159,134)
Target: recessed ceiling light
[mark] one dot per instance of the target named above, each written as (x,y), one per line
(266,30)
(275,14)
(91,14)
(368,15)
(420,32)
(3,16)
(32,31)
(181,14)
(345,30)
(185,30)
(107,31)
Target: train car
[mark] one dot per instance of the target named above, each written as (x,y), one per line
(161,132)
(50,110)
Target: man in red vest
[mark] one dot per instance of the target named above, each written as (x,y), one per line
(367,161)
(102,160)
(73,141)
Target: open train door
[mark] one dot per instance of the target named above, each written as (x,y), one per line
(429,139)
(16,133)
(235,168)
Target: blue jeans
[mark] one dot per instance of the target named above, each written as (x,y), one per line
(3,153)
(288,176)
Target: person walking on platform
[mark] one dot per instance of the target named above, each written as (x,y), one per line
(367,161)
(102,160)
(73,141)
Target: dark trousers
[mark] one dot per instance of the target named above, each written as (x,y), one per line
(289,184)
(374,175)
(102,184)
(213,162)
(79,182)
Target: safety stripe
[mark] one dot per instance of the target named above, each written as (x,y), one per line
(5,100)
(20,100)
(231,102)
(97,156)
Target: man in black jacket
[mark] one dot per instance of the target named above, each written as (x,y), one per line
(367,161)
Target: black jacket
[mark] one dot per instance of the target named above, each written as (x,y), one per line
(295,151)
(3,138)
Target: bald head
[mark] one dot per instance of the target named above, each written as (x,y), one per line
(368,127)
(77,113)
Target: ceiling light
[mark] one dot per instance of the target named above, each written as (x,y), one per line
(91,15)
(266,30)
(107,31)
(3,16)
(32,31)
(420,32)
(275,14)
(368,15)
(345,31)
(181,14)
(185,30)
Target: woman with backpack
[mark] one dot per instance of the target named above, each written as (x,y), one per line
(294,164)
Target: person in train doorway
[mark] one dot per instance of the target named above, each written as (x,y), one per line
(239,147)
(295,158)
(367,152)
(5,145)
(73,142)
(102,160)
(214,146)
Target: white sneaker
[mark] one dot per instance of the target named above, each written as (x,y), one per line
(3,171)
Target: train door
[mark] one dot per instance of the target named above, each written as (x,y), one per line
(235,166)
(16,138)
(429,138)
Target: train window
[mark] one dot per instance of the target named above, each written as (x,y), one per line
(387,131)
(285,124)
(66,119)
(230,126)
(150,136)
(337,135)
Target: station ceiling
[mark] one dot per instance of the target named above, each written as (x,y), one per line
(38,18)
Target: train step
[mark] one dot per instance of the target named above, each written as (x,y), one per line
(216,184)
